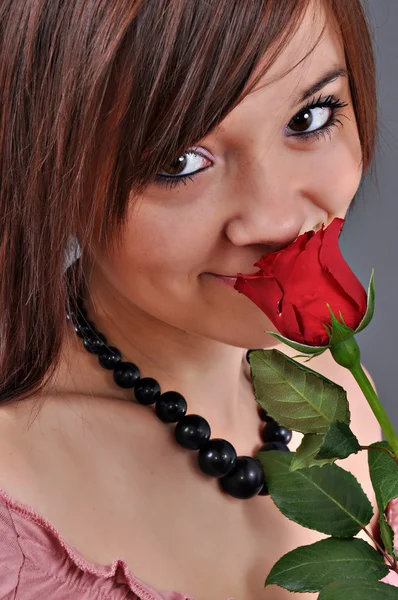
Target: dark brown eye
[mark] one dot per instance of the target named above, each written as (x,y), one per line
(310,119)
(177,165)
(188,163)
(302,121)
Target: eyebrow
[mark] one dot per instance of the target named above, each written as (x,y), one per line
(321,83)
(316,87)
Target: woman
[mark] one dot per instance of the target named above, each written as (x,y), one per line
(177,142)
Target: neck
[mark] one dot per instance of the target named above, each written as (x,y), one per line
(212,376)
(209,374)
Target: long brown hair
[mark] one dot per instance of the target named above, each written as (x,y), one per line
(95,98)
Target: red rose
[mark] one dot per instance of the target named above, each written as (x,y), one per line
(294,286)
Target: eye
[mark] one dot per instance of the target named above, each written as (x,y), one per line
(189,163)
(310,119)
(315,119)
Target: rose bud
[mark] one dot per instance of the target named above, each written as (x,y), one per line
(302,287)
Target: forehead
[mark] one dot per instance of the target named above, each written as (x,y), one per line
(315,48)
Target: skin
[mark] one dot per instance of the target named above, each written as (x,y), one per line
(154,301)
(261,190)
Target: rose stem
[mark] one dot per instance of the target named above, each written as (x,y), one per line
(376,406)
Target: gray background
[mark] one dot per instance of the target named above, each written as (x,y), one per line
(370,237)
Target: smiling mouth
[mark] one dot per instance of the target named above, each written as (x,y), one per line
(225,279)
(230,278)
(234,277)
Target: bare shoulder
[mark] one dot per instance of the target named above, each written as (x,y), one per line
(67,453)
(16,443)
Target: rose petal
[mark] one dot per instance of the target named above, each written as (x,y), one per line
(288,325)
(332,260)
(284,265)
(265,292)
(296,286)
(294,249)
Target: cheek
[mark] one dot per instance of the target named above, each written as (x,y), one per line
(335,173)
(158,264)
(160,243)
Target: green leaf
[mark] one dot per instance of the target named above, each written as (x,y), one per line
(311,568)
(297,346)
(317,450)
(387,535)
(384,475)
(309,358)
(328,499)
(359,589)
(294,395)
(370,305)
(338,331)
(304,457)
(339,442)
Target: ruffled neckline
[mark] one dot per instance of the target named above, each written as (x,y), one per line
(118,571)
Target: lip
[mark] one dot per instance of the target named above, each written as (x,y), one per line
(230,281)
(226,279)
(232,276)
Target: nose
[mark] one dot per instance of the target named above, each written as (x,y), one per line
(272,210)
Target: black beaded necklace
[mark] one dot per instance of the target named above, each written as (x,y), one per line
(239,476)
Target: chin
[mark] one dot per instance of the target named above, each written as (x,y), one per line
(244,332)
(252,340)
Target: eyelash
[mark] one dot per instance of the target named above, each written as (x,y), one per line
(329,102)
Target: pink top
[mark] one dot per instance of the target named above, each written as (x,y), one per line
(37,564)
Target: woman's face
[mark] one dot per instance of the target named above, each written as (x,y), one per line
(273,170)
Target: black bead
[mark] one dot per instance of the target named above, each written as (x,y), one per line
(217,458)
(109,357)
(78,318)
(249,352)
(192,432)
(126,374)
(94,342)
(245,480)
(265,417)
(81,315)
(83,329)
(264,490)
(80,310)
(280,446)
(171,407)
(273,432)
(83,320)
(147,391)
